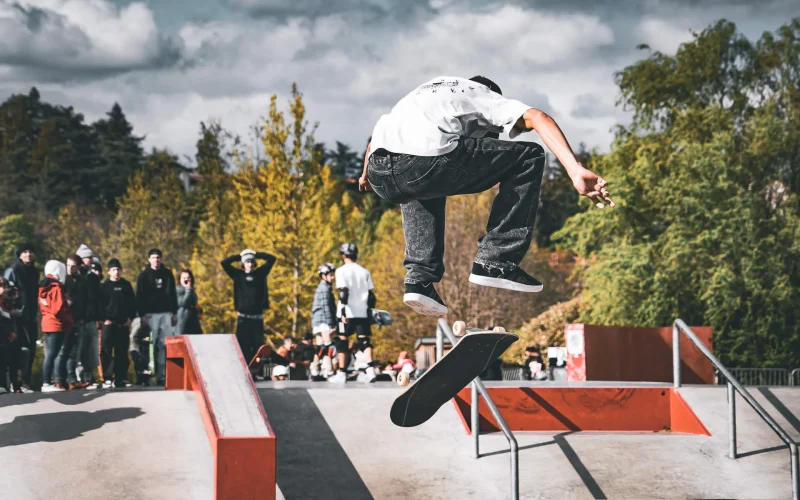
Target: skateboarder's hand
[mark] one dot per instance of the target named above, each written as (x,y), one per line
(363,184)
(592,186)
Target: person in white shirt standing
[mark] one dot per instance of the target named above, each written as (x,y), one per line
(442,139)
(356,298)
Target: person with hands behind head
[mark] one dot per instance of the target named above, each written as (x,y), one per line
(118,309)
(250,297)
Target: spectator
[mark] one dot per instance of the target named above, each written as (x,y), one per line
(157,301)
(26,276)
(303,357)
(6,338)
(356,297)
(188,309)
(118,311)
(140,351)
(533,368)
(88,349)
(323,320)
(250,297)
(283,359)
(18,350)
(84,330)
(57,328)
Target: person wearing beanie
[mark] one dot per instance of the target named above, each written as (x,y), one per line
(250,297)
(26,276)
(82,292)
(88,357)
(118,309)
(157,304)
(323,321)
(57,327)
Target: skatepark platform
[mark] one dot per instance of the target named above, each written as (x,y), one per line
(322,440)
(342,437)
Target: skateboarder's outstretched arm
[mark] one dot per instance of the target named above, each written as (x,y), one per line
(586,182)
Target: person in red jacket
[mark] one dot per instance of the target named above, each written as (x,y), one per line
(57,326)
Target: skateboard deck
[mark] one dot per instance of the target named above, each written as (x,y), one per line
(260,358)
(442,381)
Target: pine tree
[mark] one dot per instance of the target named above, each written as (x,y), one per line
(120,153)
(217,234)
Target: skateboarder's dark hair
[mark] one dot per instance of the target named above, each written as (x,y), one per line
(485,81)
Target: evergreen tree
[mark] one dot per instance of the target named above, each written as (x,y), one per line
(217,233)
(120,153)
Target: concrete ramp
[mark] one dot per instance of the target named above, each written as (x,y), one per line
(342,437)
(82,445)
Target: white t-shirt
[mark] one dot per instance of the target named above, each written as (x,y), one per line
(431,118)
(358,282)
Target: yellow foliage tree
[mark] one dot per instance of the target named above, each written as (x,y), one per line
(151,213)
(292,207)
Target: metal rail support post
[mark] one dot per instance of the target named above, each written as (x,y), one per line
(444,328)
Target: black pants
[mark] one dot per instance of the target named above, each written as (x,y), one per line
(18,357)
(250,334)
(117,341)
(5,357)
(31,327)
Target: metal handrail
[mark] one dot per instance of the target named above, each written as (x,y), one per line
(478,387)
(678,327)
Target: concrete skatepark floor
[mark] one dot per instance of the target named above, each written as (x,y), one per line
(337,442)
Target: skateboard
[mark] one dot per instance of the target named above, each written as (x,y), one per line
(442,381)
(260,359)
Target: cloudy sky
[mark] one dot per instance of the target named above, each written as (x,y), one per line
(172,63)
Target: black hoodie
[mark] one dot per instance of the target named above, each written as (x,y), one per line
(26,278)
(155,291)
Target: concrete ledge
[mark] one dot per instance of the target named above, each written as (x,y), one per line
(241,439)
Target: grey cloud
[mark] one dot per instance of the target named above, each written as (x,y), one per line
(592,106)
(44,45)
(368,10)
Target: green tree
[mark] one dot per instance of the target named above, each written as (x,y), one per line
(707,223)
(217,233)
(153,212)
(120,155)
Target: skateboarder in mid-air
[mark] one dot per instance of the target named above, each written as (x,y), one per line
(439,141)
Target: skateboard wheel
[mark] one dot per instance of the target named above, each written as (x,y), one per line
(459,328)
(499,329)
(403,379)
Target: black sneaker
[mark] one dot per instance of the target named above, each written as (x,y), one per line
(513,278)
(424,299)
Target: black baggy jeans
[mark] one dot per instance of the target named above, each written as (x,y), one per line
(421,185)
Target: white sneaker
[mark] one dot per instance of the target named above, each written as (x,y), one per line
(50,388)
(3,390)
(339,378)
(370,375)
(25,389)
(108,384)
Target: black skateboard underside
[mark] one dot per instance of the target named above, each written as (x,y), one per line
(442,381)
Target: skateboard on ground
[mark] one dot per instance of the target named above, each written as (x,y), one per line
(442,381)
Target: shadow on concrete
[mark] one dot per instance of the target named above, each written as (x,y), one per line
(65,398)
(60,426)
(778,404)
(311,462)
